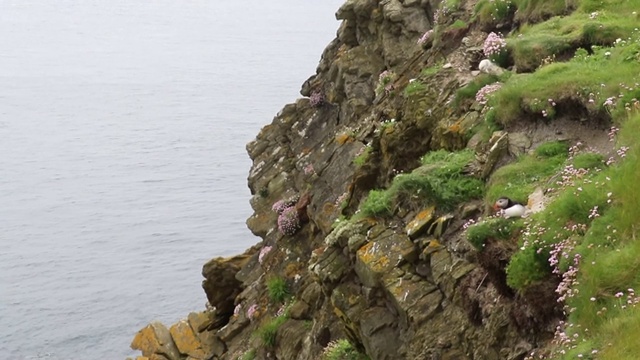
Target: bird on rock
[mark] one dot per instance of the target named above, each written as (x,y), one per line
(509,208)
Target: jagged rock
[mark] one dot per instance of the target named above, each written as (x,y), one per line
(379,337)
(439,226)
(289,341)
(416,301)
(221,285)
(381,255)
(420,222)
(329,264)
(199,321)
(156,343)
(498,144)
(186,340)
(518,143)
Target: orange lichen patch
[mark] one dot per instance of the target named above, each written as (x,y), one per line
(343,138)
(186,340)
(370,255)
(455,128)
(305,151)
(434,243)
(420,221)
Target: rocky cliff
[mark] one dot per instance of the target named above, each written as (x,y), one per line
(366,190)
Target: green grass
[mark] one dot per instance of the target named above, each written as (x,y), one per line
(342,350)
(269,330)
(552,148)
(277,289)
(362,158)
(377,204)
(495,228)
(588,161)
(609,262)
(413,88)
(457,25)
(533,11)
(439,181)
(432,70)
(612,68)
(467,94)
(249,355)
(519,179)
(489,13)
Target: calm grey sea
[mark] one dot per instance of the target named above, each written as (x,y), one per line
(122,162)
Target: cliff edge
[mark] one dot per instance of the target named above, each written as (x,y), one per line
(373,193)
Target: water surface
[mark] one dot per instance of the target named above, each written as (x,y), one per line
(122,160)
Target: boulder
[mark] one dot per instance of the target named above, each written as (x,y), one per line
(156,343)
(186,340)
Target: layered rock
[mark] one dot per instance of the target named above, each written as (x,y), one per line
(404,287)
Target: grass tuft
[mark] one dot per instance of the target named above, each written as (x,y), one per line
(342,350)
(495,228)
(278,289)
(269,330)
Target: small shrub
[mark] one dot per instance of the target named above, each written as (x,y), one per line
(469,91)
(552,148)
(377,203)
(277,288)
(342,350)
(490,12)
(495,48)
(527,267)
(268,331)
(482,96)
(362,156)
(432,70)
(385,82)
(289,221)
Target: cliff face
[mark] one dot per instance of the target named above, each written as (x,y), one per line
(391,271)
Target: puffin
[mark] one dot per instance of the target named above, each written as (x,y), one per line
(509,208)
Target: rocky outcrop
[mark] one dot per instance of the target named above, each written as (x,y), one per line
(406,286)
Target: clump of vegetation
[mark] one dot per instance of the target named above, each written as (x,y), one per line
(441,181)
(588,160)
(377,204)
(385,82)
(342,350)
(414,87)
(432,70)
(278,289)
(467,94)
(610,86)
(458,24)
(494,228)
(552,148)
(491,12)
(362,156)
(268,331)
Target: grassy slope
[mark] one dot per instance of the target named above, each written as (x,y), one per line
(587,234)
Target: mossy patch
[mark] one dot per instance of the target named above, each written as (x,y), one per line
(440,181)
